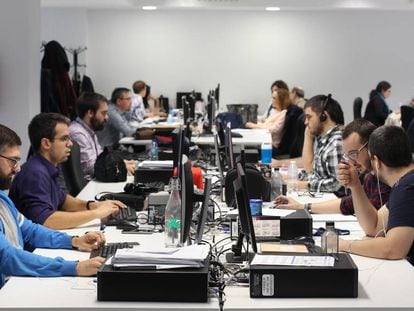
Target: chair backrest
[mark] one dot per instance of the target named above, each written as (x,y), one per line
(292,137)
(72,171)
(407,114)
(357,108)
(410,134)
(257,185)
(235,119)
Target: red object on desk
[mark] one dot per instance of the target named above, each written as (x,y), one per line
(197,176)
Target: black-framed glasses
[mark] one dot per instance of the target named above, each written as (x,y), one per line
(63,139)
(353,154)
(15,162)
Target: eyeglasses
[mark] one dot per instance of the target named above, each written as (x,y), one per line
(63,139)
(13,161)
(353,154)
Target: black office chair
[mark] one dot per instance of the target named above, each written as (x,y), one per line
(293,133)
(357,108)
(72,172)
(407,115)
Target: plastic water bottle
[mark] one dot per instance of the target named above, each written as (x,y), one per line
(276,184)
(172,234)
(266,153)
(170,118)
(329,241)
(154,151)
(292,185)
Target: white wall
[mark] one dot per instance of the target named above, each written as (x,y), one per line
(19,65)
(70,28)
(342,52)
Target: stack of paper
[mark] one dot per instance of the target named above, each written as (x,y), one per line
(161,258)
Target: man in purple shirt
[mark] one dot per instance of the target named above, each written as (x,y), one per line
(355,139)
(92,109)
(35,189)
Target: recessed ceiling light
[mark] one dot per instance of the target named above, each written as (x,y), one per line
(272,8)
(149,8)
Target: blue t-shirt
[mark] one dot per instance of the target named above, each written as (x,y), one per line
(35,189)
(401,206)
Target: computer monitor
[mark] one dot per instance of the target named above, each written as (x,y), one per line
(198,97)
(220,158)
(217,95)
(229,146)
(245,217)
(187,202)
(164,104)
(145,98)
(180,145)
(204,210)
(220,132)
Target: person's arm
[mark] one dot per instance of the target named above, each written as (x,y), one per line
(395,245)
(307,151)
(327,207)
(74,213)
(87,152)
(326,181)
(365,212)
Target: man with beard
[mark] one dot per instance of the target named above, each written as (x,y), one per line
(92,109)
(392,226)
(35,189)
(355,142)
(18,233)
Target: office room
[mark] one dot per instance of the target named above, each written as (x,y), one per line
(341,47)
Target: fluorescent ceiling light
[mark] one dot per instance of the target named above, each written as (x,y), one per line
(149,8)
(272,8)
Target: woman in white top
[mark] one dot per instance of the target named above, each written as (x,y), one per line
(274,123)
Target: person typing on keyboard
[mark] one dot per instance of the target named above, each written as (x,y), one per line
(17,233)
(36,190)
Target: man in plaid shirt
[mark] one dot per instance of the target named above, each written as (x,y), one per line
(355,139)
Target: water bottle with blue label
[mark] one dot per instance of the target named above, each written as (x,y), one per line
(266,153)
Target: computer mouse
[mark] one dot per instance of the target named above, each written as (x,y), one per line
(126,225)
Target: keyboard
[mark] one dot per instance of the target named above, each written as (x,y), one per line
(155,184)
(109,249)
(127,213)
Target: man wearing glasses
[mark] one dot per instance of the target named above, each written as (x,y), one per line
(392,226)
(355,141)
(35,189)
(17,232)
(118,124)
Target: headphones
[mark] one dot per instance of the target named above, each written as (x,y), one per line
(323,116)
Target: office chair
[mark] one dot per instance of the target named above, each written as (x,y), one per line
(407,114)
(293,134)
(357,108)
(72,172)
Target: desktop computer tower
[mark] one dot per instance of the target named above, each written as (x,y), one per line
(339,281)
(174,285)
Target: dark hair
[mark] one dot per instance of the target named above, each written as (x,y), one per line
(88,101)
(321,102)
(44,126)
(381,87)
(390,144)
(284,99)
(138,86)
(362,127)
(280,85)
(117,93)
(8,138)
(298,91)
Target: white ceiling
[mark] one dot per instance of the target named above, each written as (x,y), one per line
(235,5)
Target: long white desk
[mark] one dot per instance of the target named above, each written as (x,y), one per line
(251,138)
(383,285)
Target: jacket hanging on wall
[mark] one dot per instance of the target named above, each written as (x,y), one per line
(57,93)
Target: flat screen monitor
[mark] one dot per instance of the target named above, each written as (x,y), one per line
(220,158)
(145,98)
(180,145)
(220,133)
(204,210)
(180,95)
(242,201)
(187,198)
(217,95)
(229,146)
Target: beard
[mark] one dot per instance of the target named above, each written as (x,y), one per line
(5,182)
(97,125)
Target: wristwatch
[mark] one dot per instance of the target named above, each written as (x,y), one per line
(308,207)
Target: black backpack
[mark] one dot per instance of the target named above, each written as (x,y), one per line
(110,167)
